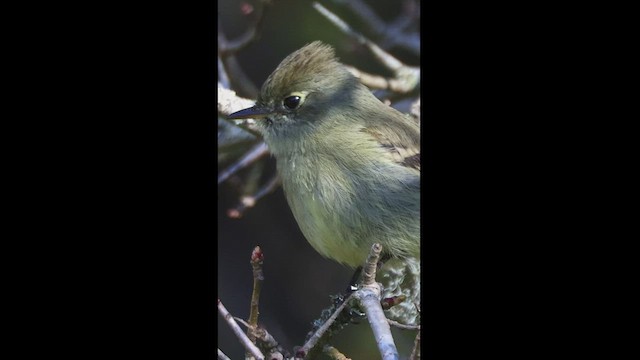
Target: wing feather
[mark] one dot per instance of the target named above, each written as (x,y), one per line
(400,136)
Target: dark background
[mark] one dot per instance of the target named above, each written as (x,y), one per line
(111,239)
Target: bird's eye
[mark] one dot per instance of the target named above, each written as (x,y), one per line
(292,102)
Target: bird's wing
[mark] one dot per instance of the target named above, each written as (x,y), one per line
(402,140)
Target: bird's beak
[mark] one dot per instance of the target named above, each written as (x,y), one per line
(254,112)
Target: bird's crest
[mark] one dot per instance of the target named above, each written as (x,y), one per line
(315,62)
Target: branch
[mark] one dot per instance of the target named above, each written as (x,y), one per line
(244,340)
(371,265)
(229,102)
(258,276)
(251,34)
(275,350)
(398,85)
(222,356)
(415,354)
(313,340)
(403,326)
(369,297)
(247,202)
(269,342)
(252,155)
(406,78)
(237,77)
(392,34)
(228,48)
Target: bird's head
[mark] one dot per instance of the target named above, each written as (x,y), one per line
(306,88)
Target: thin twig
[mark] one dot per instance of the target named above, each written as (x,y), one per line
(385,58)
(247,202)
(222,356)
(372,81)
(339,23)
(392,34)
(250,35)
(238,79)
(257,258)
(415,354)
(380,82)
(244,340)
(252,178)
(232,139)
(313,340)
(408,77)
(249,157)
(397,36)
(403,326)
(228,48)
(366,14)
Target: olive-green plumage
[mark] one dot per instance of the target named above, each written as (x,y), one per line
(350,165)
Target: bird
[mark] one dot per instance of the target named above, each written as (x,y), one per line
(349,165)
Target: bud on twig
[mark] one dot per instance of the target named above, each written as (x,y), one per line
(387,303)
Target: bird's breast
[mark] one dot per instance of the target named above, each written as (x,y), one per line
(343,208)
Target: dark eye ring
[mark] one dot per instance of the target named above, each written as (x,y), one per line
(292,102)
